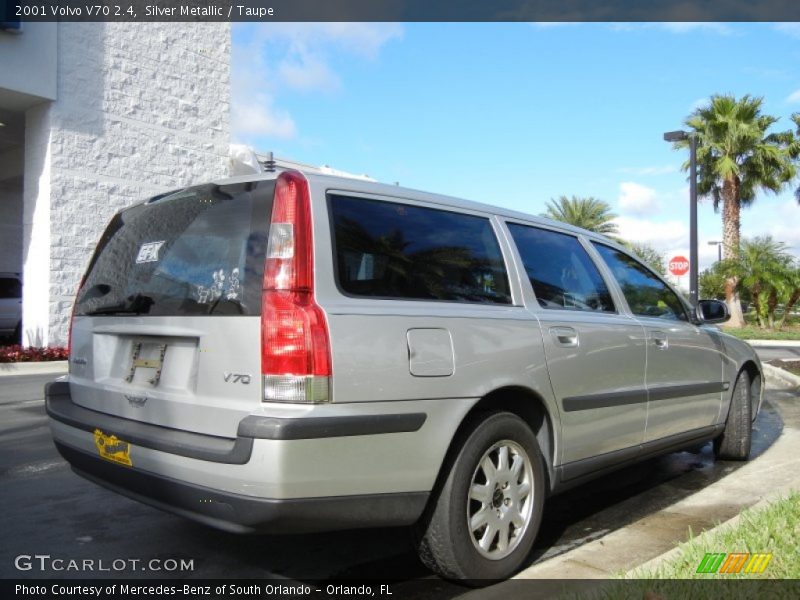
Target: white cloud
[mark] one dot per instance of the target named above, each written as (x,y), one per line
(794,97)
(690,27)
(663,236)
(699,103)
(308,73)
(637,199)
(256,116)
(780,221)
(792,29)
(270,58)
(651,170)
(364,40)
(681,27)
(553,24)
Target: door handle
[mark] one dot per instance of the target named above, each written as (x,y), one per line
(565,336)
(660,340)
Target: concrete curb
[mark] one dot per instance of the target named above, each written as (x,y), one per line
(781,377)
(656,538)
(776,343)
(55,367)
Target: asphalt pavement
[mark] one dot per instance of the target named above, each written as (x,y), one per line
(49,510)
(766,353)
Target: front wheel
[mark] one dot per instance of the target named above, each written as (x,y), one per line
(487,512)
(735,440)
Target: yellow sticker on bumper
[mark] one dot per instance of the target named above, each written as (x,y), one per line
(112,448)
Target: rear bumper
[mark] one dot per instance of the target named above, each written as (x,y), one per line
(236,451)
(279,475)
(245,514)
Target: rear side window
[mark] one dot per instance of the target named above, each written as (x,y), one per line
(561,272)
(199,251)
(391,250)
(10,288)
(645,293)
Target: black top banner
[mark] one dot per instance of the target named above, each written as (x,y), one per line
(14,11)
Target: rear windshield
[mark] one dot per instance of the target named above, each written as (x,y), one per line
(198,251)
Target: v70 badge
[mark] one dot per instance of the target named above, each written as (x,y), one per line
(242,378)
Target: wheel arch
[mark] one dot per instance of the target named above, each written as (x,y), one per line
(521,401)
(756,385)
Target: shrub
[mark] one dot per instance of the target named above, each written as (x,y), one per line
(10,354)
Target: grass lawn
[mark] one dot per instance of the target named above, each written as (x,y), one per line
(755,333)
(773,529)
(752,331)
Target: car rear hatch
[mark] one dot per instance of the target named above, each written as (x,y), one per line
(167,323)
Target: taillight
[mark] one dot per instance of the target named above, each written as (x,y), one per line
(295,346)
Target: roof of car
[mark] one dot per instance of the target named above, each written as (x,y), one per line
(333,182)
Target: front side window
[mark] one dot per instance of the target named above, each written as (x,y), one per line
(389,250)
(561,272)
(645,293)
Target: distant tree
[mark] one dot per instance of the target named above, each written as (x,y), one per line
(588,213)
(711,282)
(736,159)
(649,255)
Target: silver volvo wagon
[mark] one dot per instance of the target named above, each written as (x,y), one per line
(292,352)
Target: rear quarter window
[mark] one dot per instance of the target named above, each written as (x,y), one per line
(399,251)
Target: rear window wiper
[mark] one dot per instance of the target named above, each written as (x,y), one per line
(134,305)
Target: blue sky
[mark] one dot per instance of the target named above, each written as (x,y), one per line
(514,114)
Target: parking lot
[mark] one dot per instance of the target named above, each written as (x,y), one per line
(51,511)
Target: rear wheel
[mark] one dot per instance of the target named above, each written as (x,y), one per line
(734,442)
(487,512)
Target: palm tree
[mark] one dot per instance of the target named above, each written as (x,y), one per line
(763,267)
(791,289)
(588,213)
(736,159)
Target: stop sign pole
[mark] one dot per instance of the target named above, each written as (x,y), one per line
(679,136)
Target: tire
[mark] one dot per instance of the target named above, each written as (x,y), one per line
(735,440)
(498,501)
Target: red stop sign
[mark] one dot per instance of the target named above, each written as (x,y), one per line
(679,265)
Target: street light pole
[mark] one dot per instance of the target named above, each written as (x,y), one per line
(693,219)
(682,136)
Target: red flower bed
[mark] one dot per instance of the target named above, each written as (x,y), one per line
(9,354)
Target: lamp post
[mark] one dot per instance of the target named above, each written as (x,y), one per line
(719,249)
(680,136)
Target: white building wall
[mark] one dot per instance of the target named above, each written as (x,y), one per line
(141,109)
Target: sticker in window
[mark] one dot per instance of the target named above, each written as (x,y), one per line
(149,252)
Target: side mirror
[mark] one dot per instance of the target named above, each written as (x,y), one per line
(712,311)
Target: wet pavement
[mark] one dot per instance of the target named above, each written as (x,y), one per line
(49,510)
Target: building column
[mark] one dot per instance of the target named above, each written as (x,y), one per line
(36,227)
